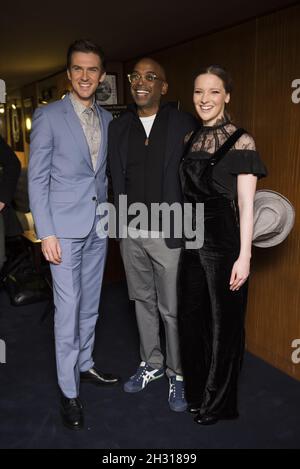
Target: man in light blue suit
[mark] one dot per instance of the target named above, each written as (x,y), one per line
(67,179)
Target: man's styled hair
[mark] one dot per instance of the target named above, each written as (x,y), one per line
(85,45)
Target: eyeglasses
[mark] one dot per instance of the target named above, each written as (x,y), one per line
(134,77)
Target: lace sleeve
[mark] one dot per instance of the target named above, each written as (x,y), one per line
(245,142)
(245,159)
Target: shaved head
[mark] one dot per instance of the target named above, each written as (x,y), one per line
(147,92)
(154,66)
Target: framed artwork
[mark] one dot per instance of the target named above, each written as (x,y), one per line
(16,133)
(116,110)
(107,92)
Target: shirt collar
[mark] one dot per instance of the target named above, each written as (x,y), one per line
(79,107)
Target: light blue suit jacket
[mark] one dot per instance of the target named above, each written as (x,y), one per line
(63,186)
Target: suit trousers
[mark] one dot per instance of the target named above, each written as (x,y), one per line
(151,271)
(77,286)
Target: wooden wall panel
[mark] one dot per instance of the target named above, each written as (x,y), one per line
(274,306)
(233,48)
(263,56)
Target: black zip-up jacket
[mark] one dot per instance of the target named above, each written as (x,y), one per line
(176,125)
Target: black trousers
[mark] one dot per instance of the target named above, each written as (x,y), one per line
(211,317)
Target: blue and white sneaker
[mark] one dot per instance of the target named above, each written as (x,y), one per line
(144,375)
(177,400)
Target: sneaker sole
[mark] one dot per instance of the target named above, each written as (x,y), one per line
(132,391)
(182,409)
(87,381)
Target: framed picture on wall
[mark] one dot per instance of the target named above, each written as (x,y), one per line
(16,134)
(116,110)
(107,92)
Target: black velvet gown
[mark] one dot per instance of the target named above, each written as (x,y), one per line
(210,315)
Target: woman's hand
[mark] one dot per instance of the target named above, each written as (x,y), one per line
(239,274)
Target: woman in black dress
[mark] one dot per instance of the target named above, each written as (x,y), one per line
(220,169)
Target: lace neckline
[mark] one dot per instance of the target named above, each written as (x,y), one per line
(210,138)
(220,125)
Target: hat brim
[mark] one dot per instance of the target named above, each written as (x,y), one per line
(277,239)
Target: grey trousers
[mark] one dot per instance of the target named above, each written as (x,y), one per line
(2,241)
(151,272)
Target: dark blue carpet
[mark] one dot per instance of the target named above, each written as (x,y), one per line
(29,415)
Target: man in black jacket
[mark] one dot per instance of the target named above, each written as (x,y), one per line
(9,173)
(146,144)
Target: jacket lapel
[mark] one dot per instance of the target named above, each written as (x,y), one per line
(76,130)
(103,142)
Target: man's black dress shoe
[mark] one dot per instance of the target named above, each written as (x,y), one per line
(71,412)
(206,419)
(194,408)
(212,419)
(95,376)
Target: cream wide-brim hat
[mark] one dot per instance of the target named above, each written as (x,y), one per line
(274,217)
